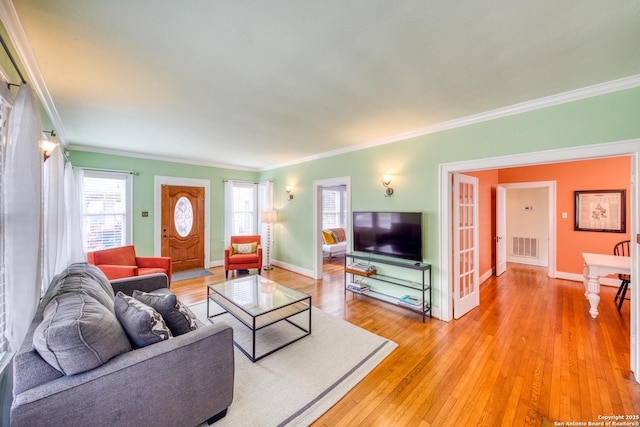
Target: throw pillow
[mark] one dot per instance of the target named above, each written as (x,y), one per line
(78,333)
(84,278)
(245,248)
(328,238)
(144,325)
(176,315)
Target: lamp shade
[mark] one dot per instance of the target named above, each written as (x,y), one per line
(269,216)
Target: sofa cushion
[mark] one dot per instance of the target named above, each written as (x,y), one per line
(176,315)
(78,333)
(84,278)
(339,234)
(143,324)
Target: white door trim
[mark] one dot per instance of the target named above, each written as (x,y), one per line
(317,218)
(159,181)
(620,148)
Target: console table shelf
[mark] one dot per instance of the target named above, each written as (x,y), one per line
(374,281)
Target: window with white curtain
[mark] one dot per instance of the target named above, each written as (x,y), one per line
(106,209)
(334,207)
(244,200)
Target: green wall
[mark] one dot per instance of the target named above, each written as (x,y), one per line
(414,164)
(143,192)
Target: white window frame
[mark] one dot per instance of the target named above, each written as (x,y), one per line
(108,174)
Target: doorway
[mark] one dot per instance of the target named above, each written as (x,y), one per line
(318,185)
(204,186)
(629,148)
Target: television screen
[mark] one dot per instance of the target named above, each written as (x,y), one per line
(393,234)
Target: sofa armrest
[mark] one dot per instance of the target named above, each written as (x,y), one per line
(145,283)
(187,380)
(113,271)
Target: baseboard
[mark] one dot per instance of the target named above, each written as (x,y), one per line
(291,267)
(604,281)
(529,261)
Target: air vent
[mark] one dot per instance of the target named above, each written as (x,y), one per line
(525,247)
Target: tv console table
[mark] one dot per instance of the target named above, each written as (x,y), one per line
(361,277)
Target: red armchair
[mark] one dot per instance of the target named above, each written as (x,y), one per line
(117,263)
(234,260)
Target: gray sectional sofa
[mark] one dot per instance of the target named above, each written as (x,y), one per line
(100,380)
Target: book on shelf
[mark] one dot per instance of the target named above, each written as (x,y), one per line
(411,300)
(411,306)
(357,288)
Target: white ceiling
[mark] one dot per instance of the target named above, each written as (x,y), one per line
(254,84)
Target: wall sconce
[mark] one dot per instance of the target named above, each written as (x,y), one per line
(289,189)
(48,146)
(386,180)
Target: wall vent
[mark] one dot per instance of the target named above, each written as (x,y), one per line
(525,247)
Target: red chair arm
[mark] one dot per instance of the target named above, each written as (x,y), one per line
(163,262)
(118,271)
(259,256)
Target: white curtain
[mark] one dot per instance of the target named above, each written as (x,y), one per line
(228,212)
(72,246)
(22,214)
(265,203)
(54,211)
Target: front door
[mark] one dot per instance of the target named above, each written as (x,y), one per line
(183,226)
(466,289)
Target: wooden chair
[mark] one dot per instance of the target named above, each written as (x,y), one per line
(622,249)
(241,259)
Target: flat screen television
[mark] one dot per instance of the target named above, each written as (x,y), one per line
(392,234)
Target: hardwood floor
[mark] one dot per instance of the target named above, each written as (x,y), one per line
(529,355)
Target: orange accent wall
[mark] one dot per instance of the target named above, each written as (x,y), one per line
(601,174)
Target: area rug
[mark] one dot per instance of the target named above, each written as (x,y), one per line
(297,384)
(184,275)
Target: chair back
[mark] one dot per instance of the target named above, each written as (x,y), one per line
(245,239)
(622,249)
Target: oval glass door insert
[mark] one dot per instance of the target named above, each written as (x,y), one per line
(183,216)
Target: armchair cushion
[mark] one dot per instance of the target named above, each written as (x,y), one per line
(244,248)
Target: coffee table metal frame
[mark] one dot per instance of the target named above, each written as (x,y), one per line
(256,322)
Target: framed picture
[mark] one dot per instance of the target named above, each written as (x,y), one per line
(601,210)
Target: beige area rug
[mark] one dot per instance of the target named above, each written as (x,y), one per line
(297,384)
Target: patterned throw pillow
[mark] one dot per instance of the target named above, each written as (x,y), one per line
(143,324)
(176,315)
(244,248)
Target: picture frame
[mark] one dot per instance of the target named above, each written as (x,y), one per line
(601,211)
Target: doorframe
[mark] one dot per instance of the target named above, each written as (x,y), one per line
(159,181)
(317,218)
(629,147)
(551,222)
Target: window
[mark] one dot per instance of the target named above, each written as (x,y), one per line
(244,200)
(106,209)
(334,204)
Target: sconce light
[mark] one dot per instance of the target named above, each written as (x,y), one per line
(386,180)
(289,188)
(48,146)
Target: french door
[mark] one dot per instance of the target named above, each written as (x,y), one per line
(466,289)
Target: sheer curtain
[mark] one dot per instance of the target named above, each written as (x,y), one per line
(62,237)
(228,212)
(53,214)
(22,214)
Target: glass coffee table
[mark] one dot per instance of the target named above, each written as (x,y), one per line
(267,316)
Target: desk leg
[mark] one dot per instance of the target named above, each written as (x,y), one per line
(592,285)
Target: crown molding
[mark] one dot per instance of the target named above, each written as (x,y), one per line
(18,37)
(523,107)
(158,158)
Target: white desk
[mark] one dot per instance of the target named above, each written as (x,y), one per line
(596,266)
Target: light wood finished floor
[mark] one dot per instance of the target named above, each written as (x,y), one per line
(529,355)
